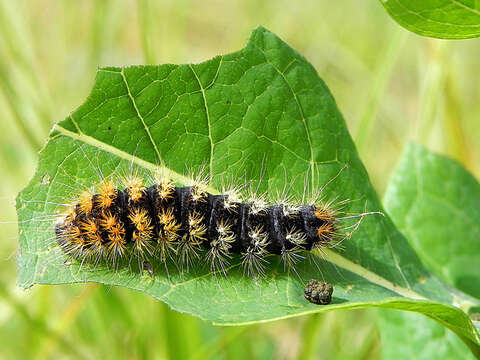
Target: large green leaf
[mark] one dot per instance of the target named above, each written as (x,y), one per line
(262,110)
(435,202)
(446,19)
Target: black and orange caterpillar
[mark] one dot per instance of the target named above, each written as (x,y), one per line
(166,221)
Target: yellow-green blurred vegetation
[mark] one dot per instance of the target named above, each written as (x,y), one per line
(391,86)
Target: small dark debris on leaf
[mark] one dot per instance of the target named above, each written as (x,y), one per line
(318,292)
(475,316)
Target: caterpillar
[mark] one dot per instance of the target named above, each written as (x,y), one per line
(185,224)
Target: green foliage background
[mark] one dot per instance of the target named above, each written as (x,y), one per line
(390,85)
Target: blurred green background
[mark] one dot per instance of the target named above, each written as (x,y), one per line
(392,87)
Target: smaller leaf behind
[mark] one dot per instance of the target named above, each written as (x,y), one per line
(413,336)
(434,201)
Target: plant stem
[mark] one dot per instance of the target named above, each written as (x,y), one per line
(382,76)
(309,334)
(145,31)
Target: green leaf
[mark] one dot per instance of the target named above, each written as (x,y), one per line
(445,19)
(427,339)
(263,112)
(434,201)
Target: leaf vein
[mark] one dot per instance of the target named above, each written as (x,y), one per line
(304,121)
(140,116)
(207,113)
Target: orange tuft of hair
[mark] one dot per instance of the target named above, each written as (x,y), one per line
(85,202)
(165,189)
(170,225)
(197,230)
(108,221)
(89,227)
(140,218)
(144,228)
(326,232)
(117,231)
(171,230)
(107,194)
(166,216)
(198,193)
(135,188)
(96,240)
(117,244)
(73,232)
(78,243)
(325,214)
